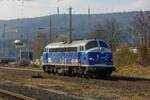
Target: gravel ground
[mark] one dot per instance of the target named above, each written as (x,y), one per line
(111,88)
(36,93)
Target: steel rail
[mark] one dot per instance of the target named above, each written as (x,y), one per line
(7,95)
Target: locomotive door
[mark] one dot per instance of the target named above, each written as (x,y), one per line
(82,58)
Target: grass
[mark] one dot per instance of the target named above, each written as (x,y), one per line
(83,90)
(52,83)
(127,64)
(133,71)
(124,57)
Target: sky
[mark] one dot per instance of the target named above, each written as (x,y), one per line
(12,9)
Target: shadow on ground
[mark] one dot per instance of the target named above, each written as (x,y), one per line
(124,78)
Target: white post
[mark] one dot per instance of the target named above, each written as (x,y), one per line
(20,54)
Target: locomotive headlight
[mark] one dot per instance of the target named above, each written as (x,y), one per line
(92,59)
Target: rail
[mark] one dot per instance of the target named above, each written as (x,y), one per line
(7,95)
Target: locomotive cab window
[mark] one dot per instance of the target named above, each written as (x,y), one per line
(103,44)
(91,45)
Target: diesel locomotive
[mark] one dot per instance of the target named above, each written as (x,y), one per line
(81,57)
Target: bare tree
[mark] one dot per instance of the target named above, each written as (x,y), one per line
(38,44)
(113,29)
(109,31)
(62,38)
(142,30)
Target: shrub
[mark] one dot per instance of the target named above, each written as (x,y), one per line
(24,63)
(123,56)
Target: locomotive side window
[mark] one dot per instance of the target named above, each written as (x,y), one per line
(71,49)
(57,50)
(103,44)
(91,44)
(50,50)
(45,50)
(81,48)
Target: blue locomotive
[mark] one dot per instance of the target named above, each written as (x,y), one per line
(82,57)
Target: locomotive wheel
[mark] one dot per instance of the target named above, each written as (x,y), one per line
(54,70)
(46,69)
(105,73)
(78,71)
(70,71)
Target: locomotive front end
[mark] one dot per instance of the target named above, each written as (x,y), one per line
(100,58)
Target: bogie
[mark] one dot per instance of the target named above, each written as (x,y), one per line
(77,71)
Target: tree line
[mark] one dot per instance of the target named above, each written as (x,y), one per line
(112,31)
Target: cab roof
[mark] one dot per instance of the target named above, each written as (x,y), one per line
(69,44)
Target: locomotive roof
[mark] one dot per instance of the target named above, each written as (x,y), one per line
(67,44)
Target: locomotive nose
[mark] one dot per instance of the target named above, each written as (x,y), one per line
(108,58)
(100,58)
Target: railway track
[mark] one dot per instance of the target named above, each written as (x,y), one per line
(7,95)
(112,78)
(75,85)
(22,69)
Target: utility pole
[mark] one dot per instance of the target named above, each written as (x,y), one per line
(4,31)
(89,11)
(3,46)
(50,28)
(21,20)
(89,20)
(58,10)
(70,25)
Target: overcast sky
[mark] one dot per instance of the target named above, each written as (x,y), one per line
(10,9)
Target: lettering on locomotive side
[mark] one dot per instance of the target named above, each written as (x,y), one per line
(50,61)
(74,61)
